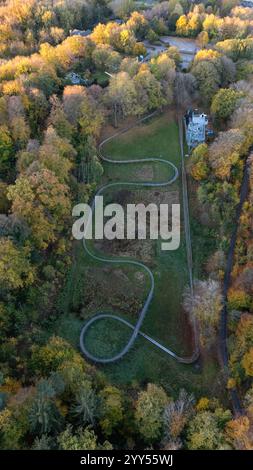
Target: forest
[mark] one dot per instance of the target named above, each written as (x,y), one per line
(61,94)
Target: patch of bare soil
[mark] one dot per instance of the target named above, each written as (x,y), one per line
(140,276)
(145,173)
(160,196)
(186,331)
(141,249)
(146,196)
(112,286)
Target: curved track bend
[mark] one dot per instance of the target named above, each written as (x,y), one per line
(136,329)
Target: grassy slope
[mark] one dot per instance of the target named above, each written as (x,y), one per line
(165,320)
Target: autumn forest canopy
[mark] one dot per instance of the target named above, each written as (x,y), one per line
(72,73)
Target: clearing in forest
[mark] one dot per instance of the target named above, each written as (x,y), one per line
(94,287)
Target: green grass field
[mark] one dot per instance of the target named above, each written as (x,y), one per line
(165,320)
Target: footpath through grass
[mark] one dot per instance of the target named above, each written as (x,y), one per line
(165,320)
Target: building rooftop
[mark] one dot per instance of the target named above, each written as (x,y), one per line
(195,128)
(79,32)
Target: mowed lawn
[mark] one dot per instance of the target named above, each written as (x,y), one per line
(165,320)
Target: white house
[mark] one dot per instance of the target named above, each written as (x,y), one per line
(195,128)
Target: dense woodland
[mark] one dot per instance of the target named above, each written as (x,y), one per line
(50,396)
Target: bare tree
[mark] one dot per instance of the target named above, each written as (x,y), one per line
(176,415)
(185,89)
(205,305)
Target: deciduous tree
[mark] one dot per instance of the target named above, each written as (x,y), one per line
(149,412)
(44,204)
(16,270)
(224,103)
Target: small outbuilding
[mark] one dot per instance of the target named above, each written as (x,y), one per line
(80,32)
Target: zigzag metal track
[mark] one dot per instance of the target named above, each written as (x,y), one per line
(100,316)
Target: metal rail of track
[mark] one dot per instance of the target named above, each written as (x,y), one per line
(102,315)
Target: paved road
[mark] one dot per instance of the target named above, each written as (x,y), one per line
(102,315)
(186,46)
(226,284)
